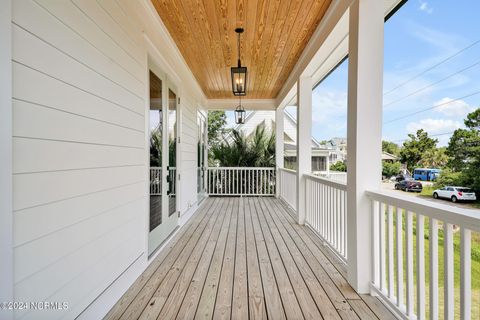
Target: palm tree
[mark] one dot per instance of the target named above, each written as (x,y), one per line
(257,150)
(155,148)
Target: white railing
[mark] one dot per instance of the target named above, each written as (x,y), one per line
(326,212)
(402,226)
(332,175)
(288,186)
(241,181)
(156,180)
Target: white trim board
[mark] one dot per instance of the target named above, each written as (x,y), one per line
(326,48)
(6,154)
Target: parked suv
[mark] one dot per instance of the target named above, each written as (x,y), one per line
(455,193)
(409,185)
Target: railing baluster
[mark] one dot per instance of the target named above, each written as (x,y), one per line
(308,203)
(433,248)
(330,215)
(399,236)
(261,181)
(465,274)
(449,302)
(318,214)
(409,255)
(337,222)
(267,182)
(391,289)
(376,243)
(320,202)
(420,267)
(382,248)
(327,211)
(343,224)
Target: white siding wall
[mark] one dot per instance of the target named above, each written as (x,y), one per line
(79,174)
(189,138)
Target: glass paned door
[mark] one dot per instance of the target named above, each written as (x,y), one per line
(156,142)
(162,139)
(172,152)
(201,156)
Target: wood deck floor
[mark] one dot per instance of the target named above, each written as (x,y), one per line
(244,258)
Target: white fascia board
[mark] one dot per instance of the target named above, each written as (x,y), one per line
(328,50)
(324,30)
(248,104)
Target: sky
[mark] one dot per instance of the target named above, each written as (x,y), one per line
(420,35)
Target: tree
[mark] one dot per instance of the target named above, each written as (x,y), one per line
(255,151)
(216,126)
(390,169)
(464,150)
(338,166)
(435,158)
(390,147)
(156,148)
(473,120)
(414,149)
(459,148)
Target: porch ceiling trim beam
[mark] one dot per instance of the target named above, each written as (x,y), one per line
(324,29)
(248,104)
(331,52)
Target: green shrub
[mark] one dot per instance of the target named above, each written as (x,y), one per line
(390,169)
(449,178)
(338,166)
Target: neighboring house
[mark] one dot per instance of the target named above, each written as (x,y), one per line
(388,157)
(339,149)
(321,153)
(339,152)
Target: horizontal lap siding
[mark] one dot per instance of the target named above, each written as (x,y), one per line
(189,154)
(78,150)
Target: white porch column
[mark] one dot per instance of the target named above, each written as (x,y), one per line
(364,134)
(279,129)
(304,141)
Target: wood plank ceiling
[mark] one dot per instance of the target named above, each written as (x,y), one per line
(276,32)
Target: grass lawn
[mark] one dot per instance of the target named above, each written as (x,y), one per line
(475,271)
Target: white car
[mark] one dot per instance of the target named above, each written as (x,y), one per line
(455,193)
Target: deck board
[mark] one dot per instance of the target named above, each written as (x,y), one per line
(245,258)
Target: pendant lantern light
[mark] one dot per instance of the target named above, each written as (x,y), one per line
(240,113)
(239,73)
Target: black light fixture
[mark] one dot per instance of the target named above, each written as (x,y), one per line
(240,113)
(239,73)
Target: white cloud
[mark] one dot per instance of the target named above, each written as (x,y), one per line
(451,107)
(447,43)
(329,105)
(433,126)
(425,7)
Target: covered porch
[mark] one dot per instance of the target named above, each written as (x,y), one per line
(246,257)
(81,200)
